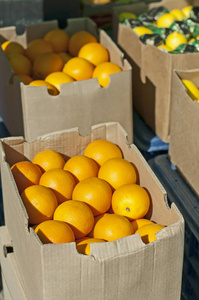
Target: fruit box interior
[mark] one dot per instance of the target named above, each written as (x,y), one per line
(30,111)
(184,143)
(53,271)
(152,68)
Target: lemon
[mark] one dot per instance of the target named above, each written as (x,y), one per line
(164,48)
(191,41)
(142,30)
(126,15)
(166,20)
(175,39)
(192,89)
(178,14)
(186,11)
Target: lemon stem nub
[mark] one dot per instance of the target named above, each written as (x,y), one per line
(127,209)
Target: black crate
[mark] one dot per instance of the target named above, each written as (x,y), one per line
(149,144)
(187,201)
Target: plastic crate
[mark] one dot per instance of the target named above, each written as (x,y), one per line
(145,139)
(186,200)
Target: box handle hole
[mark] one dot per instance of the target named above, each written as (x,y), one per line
(7,249)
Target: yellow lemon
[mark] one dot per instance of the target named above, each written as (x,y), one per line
(142,30)
(178,14)
(126,15)
(164,48)
(186,10)
(175,39)
(166,20)
(192,89)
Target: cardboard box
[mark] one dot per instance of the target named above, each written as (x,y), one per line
(116,269)
(20,13)
(13,285)
(30,111)
(184,143)
(152,69)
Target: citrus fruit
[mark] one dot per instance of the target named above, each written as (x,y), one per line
(45,64)
(79,68)
(61,183)
(139,223)
(64,56)
(102,150)
(83,245)
(95,53)
(192,89)
(166,20)
(79,39)
(81,167)
(52,231)
(140,30)
(57,78)
(51,89)
(147,232)
(58,39)
(25,174)
(12,48)
(175,39)
(126,15)
(26,79)
(40,203)
(49,159)
(186,10)
(20,64)
(164,48)
(37,47)
(178,14)
(103,70)
(77,215)
(117,172)
(111,227)
(131,201)
(95,192)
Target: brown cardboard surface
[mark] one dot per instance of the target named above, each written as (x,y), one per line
(184,142)
(152,69)
(13,285)
(114,270)
(31,112)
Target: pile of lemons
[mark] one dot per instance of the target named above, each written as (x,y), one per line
(172,31)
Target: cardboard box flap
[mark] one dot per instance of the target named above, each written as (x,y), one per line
(170,4)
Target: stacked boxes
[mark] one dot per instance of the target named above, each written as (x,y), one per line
(152,69)
(115,269)
(82,112)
